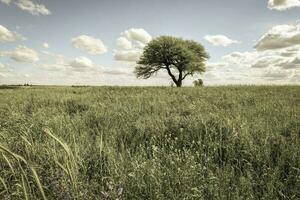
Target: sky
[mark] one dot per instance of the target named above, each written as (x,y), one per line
(97,42)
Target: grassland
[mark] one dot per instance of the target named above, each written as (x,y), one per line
(150,143)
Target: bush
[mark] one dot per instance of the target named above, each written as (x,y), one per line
(198,83)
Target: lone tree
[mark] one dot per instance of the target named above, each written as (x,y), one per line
(180,58)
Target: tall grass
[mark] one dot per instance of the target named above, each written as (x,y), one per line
(150,143)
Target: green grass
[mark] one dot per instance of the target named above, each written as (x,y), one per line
(150,143)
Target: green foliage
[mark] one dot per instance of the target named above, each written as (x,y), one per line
(129,143)
(175,55)
(198,83)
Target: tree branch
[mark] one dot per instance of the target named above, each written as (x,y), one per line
(186,75)
(170,74)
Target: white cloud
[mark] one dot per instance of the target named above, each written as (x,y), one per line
(46,45)
(77,65)
(276,74)
(264,59)
(81,64)
(22,54)
(34,9)
(55,69)
(138,34)
(89,44)
(9,36)
(241,58)
(267,61)
(283,4)
(277,66)
(128,55)
(220,40)
(290,52)
(130,44)
(281,36)
(29,6)
(214,65)
(124,43)
(293,64)
(58,63)
(295,78)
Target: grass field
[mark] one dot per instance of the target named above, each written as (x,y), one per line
(150,143)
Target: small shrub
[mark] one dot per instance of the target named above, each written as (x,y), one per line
(198,83)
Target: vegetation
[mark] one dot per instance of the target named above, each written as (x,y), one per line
(198,83)
(180,58)
(150,143)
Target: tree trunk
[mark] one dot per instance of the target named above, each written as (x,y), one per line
(178,83)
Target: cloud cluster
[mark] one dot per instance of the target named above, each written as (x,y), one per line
(89,44)
(277,74)
(58,63)
(22,54)
(255,67)
(275,59)
(130,45)
(29,6)
(280,47)
(281,36)
(9,36)
(283,4)
(220,40)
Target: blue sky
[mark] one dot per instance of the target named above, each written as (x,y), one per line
(236,33)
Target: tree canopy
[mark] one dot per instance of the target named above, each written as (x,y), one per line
(179,57)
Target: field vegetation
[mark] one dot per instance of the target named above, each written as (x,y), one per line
(238,142)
